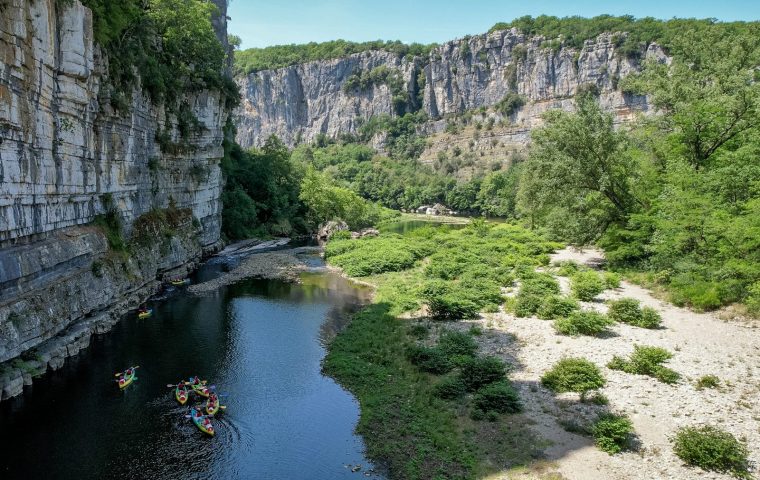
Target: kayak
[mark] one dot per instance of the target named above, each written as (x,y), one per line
(201,389)
(145,314)
(202,422)
(178,283)
(212,405)
(181,393)
(127,377)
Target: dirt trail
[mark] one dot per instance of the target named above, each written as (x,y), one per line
(702,344)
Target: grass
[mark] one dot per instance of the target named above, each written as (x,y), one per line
(708,381)
(628,310)
(422,424)
(573,375)
(583,323)
(612,433)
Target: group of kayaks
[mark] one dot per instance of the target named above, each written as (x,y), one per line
(182,391)
(213,406)
(145,312)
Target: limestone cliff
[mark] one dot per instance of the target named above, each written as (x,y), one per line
(65,157)
(302,101)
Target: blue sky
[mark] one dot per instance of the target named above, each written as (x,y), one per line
(262,23)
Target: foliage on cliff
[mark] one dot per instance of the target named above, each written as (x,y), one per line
(278,56)
(165,47)
(639,33)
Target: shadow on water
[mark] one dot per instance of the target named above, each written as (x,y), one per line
(260,342)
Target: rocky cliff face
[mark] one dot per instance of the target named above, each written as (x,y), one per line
(66,155)
(302,101)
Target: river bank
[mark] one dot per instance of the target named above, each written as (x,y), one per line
(421,432)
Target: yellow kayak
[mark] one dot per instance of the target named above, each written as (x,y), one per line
(127,377)
(145,314)
(202,422)
(212,405)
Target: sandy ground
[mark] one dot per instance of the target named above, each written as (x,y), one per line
(702,344)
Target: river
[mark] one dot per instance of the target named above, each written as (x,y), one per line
(260,342)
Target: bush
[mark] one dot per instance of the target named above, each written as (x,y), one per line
(625,310)
(498,397)
(586,285)
(649,318)
(527,305)
(457,344)
(710,448)
(582,323)
(646,361)
(451,307)
(555,306)
(450,388)
(612,433)
(481,371)
(540,284)
(628,310)
(573,375)
(428,359)
(708,381)
(567,268)
(611,279)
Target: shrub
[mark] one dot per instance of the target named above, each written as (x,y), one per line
(498,397)
(450,388)
(708,381)
(427,359)
(611,279)
(567,268)
(451,307)
(646,361)
(753,299)
(555,306)
(457,343)
(628,310)
(573,375)
(582,323)
(586,285)
(527,305)
(540,284)
(625,310)
(612,433)
(649,318)
(710,448)
(481,371)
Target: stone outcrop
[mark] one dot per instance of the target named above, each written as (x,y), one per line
(299,102)
(67,156)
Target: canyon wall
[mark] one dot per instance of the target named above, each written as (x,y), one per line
(66,157)
(299,102)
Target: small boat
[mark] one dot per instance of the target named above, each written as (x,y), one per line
(127,377)
(145,313)
(199,387)
(212,405)
(178,282)
(181,393)
(202,422)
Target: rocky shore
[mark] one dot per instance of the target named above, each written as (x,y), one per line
(285,265)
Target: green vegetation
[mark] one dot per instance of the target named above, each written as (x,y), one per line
(257,59)
(612,433)
(586,285)
(573,375)
(423,404)
(510,104)
(628,310)
(583,322)
(637,33)
(707,381)
(712,449)
(166,47)
(673,195)
(647,361)
(555,306)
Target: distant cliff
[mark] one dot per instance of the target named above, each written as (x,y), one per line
(299,102)
(66,158)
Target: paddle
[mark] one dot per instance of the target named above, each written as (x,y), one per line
(119,373)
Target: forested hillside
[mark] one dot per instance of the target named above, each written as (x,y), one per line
(673,196)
